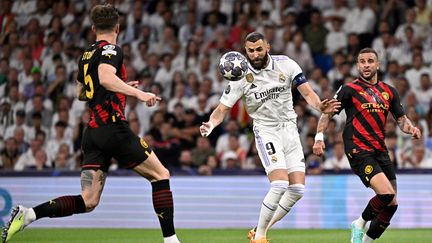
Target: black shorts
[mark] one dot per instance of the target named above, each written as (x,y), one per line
(367,164)
(115,140)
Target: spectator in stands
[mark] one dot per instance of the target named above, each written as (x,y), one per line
(336,39)
(9,155)
(28,159)
(231,128)
(57,139)
(338,161)
(19,122)
(202,151)
(299,51)
(315,33)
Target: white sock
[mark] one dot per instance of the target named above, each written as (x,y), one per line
(269,206)
(171,239)
(360,222)
(367,239)
(29,217)
(287,201)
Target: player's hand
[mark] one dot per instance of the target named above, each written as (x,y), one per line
(318,147)
(329,106)
(149,98)
(133,83)
(206,128)
(415,133)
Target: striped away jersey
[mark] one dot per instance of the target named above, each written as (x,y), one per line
(366,107)
(105,106)
(267,92)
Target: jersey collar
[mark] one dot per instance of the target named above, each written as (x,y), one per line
(270,66)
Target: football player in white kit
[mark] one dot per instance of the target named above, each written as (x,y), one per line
(266,89)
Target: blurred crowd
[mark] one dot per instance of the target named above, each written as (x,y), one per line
(173,49)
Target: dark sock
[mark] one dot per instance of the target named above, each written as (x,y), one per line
(163,206)
(381,222)
(376,205)
(377,228)
(60,207)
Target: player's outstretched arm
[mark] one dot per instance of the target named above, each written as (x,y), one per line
(110,81)
(216,118)
(325,106)
(406,126)
(319,145)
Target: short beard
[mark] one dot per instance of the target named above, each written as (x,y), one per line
(370,76)
(261,65)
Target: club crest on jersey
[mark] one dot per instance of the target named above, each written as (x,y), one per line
(274,159)
(282,78)
(385,95)
(368,169)
(249,77)
(228,89)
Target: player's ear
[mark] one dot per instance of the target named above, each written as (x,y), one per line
(117,28)
(93,28)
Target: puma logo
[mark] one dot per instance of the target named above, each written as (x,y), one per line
(160,215)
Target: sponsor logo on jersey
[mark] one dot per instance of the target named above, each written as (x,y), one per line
(269,94)
(375,107)
(249,77)
(368,169)
(385,95)
(228,89)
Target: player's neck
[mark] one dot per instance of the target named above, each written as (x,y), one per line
(372,81)
(110,37)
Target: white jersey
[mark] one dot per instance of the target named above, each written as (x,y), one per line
(267,92)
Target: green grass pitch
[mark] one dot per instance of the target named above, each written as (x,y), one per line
(37,235)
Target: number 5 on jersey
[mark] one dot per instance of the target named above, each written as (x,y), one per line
(88,82)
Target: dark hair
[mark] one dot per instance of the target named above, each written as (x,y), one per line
(104,17)
(254,37)
(367,50)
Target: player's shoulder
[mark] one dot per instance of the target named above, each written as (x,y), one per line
(284,62)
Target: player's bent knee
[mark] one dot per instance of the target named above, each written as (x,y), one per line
(279,187)
(386,199)
(297,191)
(91,202)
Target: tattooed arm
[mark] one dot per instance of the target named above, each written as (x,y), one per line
(406,126)
(319,146)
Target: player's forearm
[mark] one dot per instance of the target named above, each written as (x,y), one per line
(218,115)
(310,96)
(313,100)
(405,124)
(323,123)
(113,83)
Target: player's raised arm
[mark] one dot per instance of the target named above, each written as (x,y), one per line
(216,118)
(325,106)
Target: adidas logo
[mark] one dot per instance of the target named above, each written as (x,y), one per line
(253,86)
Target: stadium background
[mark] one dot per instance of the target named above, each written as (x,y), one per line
(173,48)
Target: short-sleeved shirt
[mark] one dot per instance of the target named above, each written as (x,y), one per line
(366,107)
(267,92)
(105,106)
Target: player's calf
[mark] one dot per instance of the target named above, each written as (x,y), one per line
(381,222)
(376,205)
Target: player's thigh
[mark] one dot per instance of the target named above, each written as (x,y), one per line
(127,148)
(94,156)
(294,156)
(152,169)
(92,184)
(368,169)
(270,149)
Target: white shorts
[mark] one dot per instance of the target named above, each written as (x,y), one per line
(279,147)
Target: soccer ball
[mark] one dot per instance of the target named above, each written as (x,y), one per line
(233,66)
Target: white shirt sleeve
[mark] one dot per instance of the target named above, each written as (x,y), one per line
(232,93)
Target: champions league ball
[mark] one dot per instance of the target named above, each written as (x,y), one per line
(233,66)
